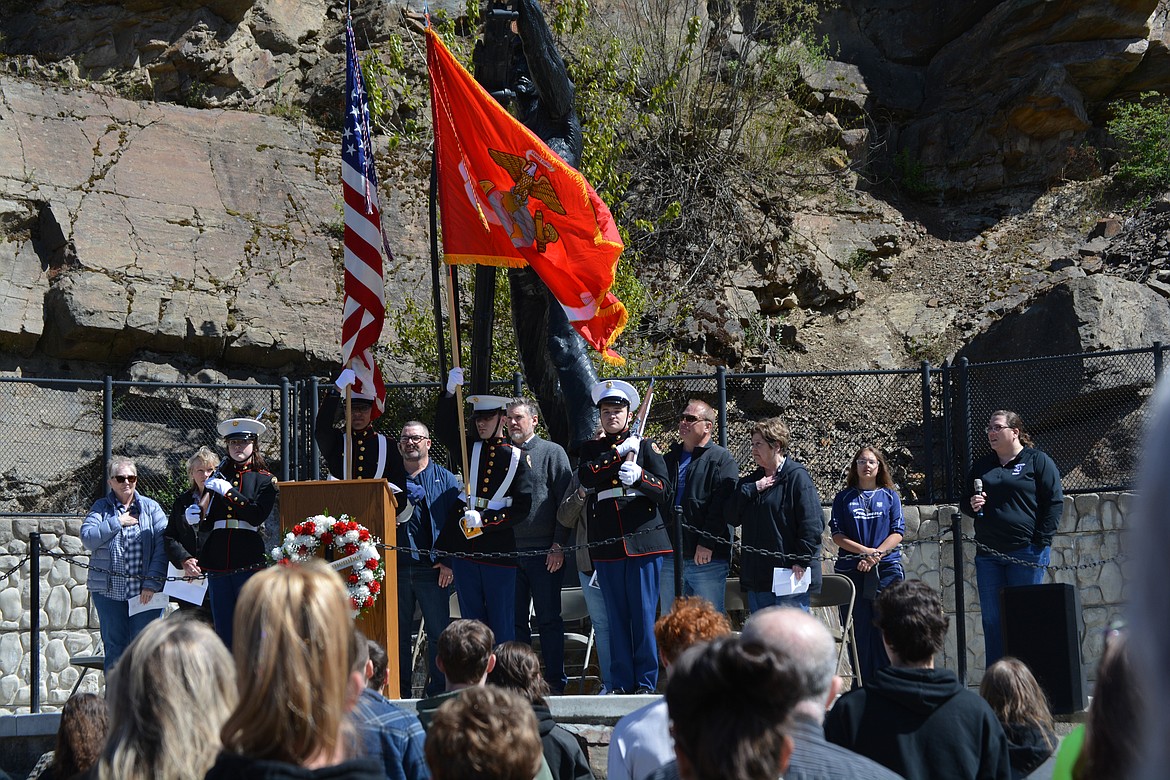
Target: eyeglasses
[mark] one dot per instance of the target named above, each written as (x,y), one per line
(865,462)
(412,439)
(124,478)
(690,418)
(996,428)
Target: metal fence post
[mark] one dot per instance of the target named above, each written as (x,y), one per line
(314,456)
(517,384)
(721,401)
(34,621)
(960,598)
(948,433)
(927,432)
(285,429)
(107,424)
(963,413)
(1157,361)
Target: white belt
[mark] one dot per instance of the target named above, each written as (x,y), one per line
(494,504)
(619,492)
(220,524)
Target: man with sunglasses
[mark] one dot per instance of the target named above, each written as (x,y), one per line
(702,476)
(432,499)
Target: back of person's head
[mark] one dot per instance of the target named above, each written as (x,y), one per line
(1116,717)
(294,648)
(728,702)
(361,653)
(85,722)
(518,669)
(465,650)
(168,696)
(691,620)
(484,733)
(911,618)
(381,662)
(1011,690)
(806,644)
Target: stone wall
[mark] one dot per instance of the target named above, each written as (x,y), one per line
(1090,532)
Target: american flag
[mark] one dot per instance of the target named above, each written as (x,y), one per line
(365,297)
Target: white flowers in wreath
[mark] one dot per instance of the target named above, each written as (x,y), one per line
(358,562)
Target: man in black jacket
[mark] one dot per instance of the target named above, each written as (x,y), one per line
(917,720)
(702,476)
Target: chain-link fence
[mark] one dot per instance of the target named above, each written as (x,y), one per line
(1087,411)
(60,434)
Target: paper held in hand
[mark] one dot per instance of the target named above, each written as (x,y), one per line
(786,583)
(157,601)
(189,590)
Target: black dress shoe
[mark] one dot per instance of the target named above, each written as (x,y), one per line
(644,691)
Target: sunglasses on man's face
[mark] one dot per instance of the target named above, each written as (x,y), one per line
(123,478)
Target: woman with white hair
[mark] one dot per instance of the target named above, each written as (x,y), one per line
(124,535)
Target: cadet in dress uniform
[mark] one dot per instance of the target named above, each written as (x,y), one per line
(501,497)
(373,456)
(626,497)
(245,494)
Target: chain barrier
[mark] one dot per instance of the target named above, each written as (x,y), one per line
(984,549)
(741,548)
(10,572)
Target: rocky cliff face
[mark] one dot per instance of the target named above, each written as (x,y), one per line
(998,93)
(210,231)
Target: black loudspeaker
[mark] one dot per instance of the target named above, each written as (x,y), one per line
(1041,626)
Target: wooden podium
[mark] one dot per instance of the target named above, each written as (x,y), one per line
(370,503)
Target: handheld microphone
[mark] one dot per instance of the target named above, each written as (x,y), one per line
(979,491)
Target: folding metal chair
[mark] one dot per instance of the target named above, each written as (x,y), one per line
(836,598)
(574,610)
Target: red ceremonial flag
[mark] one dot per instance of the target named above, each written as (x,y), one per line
(365,303)
(509,200)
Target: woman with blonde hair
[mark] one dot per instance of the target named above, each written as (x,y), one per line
(1021,707)
(182,540)
(294,651)
(168,697)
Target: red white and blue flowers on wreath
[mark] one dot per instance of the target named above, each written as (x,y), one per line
(354,547)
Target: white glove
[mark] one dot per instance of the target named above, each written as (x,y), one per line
(345,379)
(193,515)
(217,485)
(472,518)
(631,444)
(454,379)
(629,473)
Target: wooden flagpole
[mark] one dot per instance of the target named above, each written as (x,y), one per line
(458,388)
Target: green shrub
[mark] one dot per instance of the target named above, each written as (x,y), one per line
(1142,130)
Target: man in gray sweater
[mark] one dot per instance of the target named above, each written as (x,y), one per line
(539,539)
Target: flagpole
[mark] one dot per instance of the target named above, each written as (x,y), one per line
(348,432)
(458,388)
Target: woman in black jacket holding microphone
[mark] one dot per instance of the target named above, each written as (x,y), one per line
(1016,500)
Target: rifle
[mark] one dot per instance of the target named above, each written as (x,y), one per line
(639,427)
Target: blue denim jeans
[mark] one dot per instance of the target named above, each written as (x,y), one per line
(418,581)
(708,581)
(595,603)
(118,626)
(759,599)
(993,575)
(536,584)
